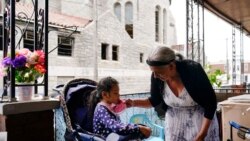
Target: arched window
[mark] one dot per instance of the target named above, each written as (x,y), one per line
(117,10)
(164,26)
(157,23)
(129,18)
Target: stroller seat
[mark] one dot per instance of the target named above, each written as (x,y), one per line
(76,94)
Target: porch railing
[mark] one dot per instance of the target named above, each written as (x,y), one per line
(221,94)
(125,116)
(224,93)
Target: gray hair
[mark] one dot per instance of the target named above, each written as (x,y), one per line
(162,54)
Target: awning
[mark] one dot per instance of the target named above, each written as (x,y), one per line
(233,11)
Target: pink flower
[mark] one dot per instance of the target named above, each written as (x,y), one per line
(23,51)
(32,58)
(41,56)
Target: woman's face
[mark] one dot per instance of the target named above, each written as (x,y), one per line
(113,96)
(162,72)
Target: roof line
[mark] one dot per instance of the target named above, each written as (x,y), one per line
(220,14)
(50,25)
(53,25)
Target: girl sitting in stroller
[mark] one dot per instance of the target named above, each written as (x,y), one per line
(105,118)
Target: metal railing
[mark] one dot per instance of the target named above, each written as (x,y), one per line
(224,93)
(221,94)
(233,90)
(9,38)
(125,116)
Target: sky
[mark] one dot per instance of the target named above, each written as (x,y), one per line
(218,34)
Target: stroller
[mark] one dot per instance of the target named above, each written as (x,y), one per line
(74,97)
(78,115)
(243,132)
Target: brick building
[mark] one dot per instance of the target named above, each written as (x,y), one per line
(112,38)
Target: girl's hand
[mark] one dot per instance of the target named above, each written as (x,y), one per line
(146,131)
(129,103)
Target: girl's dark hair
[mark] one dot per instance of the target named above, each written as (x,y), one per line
(105,84)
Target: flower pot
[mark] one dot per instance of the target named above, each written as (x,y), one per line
(25,93)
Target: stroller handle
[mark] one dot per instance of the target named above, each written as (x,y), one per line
(58,88)
(243,132)
(238,126)
(234,124)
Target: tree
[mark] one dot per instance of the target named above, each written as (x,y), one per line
(215,77)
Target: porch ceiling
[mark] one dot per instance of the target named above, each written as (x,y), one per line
(232,11)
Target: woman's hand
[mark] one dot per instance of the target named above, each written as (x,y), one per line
(204,129)
(146,131)
(129,103)
(200,137)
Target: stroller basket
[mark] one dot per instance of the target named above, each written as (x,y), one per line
(243,132)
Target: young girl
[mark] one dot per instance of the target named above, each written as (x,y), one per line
(105,118)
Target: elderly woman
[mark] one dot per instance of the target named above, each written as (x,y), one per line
(182,89)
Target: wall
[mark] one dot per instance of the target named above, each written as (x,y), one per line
(133,76)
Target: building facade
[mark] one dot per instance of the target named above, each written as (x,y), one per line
(112,38)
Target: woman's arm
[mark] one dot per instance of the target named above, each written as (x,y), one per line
(142,103)
(205,94)
(155,97)
(204,129)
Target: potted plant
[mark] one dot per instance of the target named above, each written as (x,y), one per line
(29,66)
